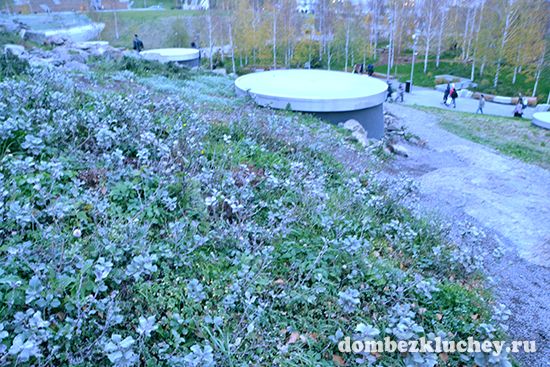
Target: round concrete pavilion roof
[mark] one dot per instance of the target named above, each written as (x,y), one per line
(541,119)
(171,54)
(313,90)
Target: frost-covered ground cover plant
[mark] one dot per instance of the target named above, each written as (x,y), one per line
(170,223)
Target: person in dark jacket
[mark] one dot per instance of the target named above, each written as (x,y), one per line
(138,45)
(446,93)
(401,93)
(390,92)
(370,69)
(454,95)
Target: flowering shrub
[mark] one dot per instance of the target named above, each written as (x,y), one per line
(174,224)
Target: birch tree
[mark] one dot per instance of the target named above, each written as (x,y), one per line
(511,13)
(429,11)
(443,11)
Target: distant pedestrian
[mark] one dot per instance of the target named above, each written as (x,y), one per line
(138,45)
(481,104)
(454,95)
(370,69)
(194,45)
(522,101)
(390,93)
(401,92)
(518,111)
(446,93)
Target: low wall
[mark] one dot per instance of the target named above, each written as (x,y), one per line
(530,101)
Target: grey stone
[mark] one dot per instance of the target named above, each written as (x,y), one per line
(357,131)
(76,66)
(55,41)
(34,36)
(220,71)
(16,50)
(131,54)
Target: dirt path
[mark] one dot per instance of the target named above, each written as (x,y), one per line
(509,199)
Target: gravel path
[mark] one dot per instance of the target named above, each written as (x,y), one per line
(509,199)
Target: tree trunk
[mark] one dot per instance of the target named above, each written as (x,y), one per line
(274,39)
(347,44)
(503,44)
(539,71)
(329,55)
(477,41)
(440,37)
(210,43)
(471,34)
(116,24)
(466,27)
(428,39)
(232,48)
(516,69)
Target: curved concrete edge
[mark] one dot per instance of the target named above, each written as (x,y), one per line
(541,119)
(168,55)
(314,105)
(75,34)
(502,100)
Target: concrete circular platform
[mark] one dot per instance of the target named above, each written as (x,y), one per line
(541,119)
(333,95)
(185,56)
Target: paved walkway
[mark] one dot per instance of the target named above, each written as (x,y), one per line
(508,199)
(430,97)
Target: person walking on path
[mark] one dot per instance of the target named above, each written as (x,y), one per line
(454,95)
(138,45)
(370,69)
(390,92)
(446,93)
(401,93)
(481,104)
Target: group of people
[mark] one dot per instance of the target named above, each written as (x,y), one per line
(400,93)
(451,92)
(360,69)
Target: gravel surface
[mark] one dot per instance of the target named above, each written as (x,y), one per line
(510,200)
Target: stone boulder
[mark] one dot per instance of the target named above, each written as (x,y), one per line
(55,41)
(10,26)
(75,66)
(16,50)
(357,131)
(131,54)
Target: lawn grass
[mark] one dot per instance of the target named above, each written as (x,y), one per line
(514,137)
(524,82)
(156,28)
